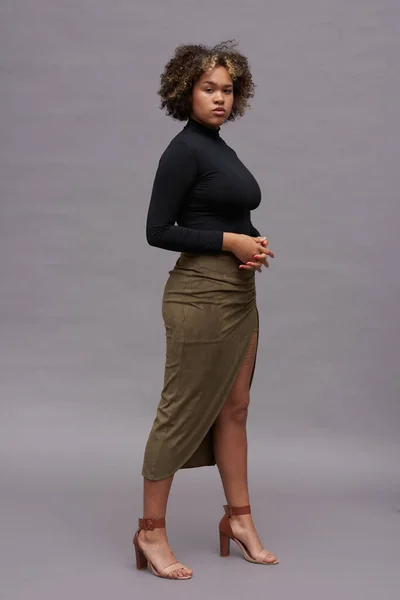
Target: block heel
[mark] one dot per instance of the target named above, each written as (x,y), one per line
(224,545)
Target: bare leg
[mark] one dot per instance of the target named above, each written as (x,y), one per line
(230,449)
(155,497)
(155,542)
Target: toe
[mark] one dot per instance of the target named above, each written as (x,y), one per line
(178,574)
(182,573)
(185,571)
(270,558)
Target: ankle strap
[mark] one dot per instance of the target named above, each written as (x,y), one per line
(237,510)
(152,523)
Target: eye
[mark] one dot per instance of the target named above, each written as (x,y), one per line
(228,91)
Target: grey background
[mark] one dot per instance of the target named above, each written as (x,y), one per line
(82,339)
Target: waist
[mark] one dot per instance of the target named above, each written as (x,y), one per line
(222,266)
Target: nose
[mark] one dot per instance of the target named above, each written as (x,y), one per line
(219,98)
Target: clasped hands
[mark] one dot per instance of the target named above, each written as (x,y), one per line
(259,259)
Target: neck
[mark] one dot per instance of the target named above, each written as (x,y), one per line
(204,124)
(209,130)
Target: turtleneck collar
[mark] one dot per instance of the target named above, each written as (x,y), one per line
(212,132)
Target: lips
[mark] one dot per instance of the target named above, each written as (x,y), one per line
(219,111)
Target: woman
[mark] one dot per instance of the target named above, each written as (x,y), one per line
(209,302)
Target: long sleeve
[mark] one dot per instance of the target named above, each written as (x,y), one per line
(175,176)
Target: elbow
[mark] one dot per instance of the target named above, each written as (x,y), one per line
(154,236)
(151,238)
(159,236)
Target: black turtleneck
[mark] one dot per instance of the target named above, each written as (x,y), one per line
(201,185)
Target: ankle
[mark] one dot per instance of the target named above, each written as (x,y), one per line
(241,519)
(153,535)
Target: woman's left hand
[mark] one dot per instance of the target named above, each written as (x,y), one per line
(259,259)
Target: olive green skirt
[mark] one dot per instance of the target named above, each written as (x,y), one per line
(210,313)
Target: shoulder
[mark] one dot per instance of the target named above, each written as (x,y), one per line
(179,145)
(179,152)
(177,160)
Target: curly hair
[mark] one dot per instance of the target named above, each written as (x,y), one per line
(189,63)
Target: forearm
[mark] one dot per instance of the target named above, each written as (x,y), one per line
(184,239)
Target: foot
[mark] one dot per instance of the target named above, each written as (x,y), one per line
(244,530)
(154,544)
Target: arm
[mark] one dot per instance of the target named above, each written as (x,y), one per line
(176,174)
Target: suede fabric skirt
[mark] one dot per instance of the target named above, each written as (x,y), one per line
(210,314)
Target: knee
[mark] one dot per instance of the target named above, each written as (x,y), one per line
(235,412)
(240,413)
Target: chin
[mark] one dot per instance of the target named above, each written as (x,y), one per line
(219,118)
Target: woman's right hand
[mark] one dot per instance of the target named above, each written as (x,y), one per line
(246,248)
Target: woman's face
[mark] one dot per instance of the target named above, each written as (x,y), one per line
(212,97)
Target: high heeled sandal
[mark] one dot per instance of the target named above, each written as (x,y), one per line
(141,558)
(226,535)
